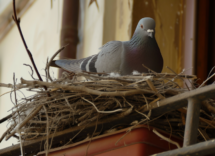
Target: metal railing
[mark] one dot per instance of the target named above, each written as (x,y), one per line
(194,98)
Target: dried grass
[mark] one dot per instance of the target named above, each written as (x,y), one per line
(84,98)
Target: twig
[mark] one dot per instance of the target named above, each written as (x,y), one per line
(183,119)
(127,102)
(165,138)
(202,134)
(17,21)
(143,108)
(154,89)
(142,114)
(206,80)
(20,139)
(18,86)
(87,90)
(67,102)
(170,129)
(207,122)
(177,76)
(92,135)
(211,71)
(6,132)
(29,117)
(47,131)
(74,136)
(32,72)
(144,79)
(149,69)
(54,132)
(142,121)
(50,61)
(117,110)
(5,119)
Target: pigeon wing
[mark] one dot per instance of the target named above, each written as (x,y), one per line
(107,60)
(109,57)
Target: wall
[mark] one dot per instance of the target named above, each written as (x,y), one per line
(41,26)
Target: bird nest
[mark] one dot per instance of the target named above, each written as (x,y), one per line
(80,99)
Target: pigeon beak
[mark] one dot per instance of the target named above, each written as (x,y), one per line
(150,32)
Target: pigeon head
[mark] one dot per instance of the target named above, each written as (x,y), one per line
(146,27)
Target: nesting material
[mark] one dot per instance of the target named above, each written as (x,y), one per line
(77,100)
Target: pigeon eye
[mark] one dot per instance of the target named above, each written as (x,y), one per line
(141,26)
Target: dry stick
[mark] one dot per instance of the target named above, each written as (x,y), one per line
(165,138)
(4,119)
(143,107)
(167,75)
(47,129)
(170,129)
(128,102)
(31,115)
(87,90)
(117,110)
(202,111)
(143,114)
(205,134)
(206,80)
(129,130)
(92,135)
(207,122)
(74,137)
(208,106)
(202,134)
(73,111)
(170,81)
(211,71)
(147,104)
(200,118)
(149,69)
(32,71)
(6,132)
(18,86)
(179,77)
(48,65)
(154,89)
(143,75)
(14,81)
(17,21)
(183,118)
(144,79)
(118,102)
(36,135)
(183,121)
(53,133)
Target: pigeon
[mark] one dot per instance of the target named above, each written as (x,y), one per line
(123,57)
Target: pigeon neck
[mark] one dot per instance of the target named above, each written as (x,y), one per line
(137,40)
